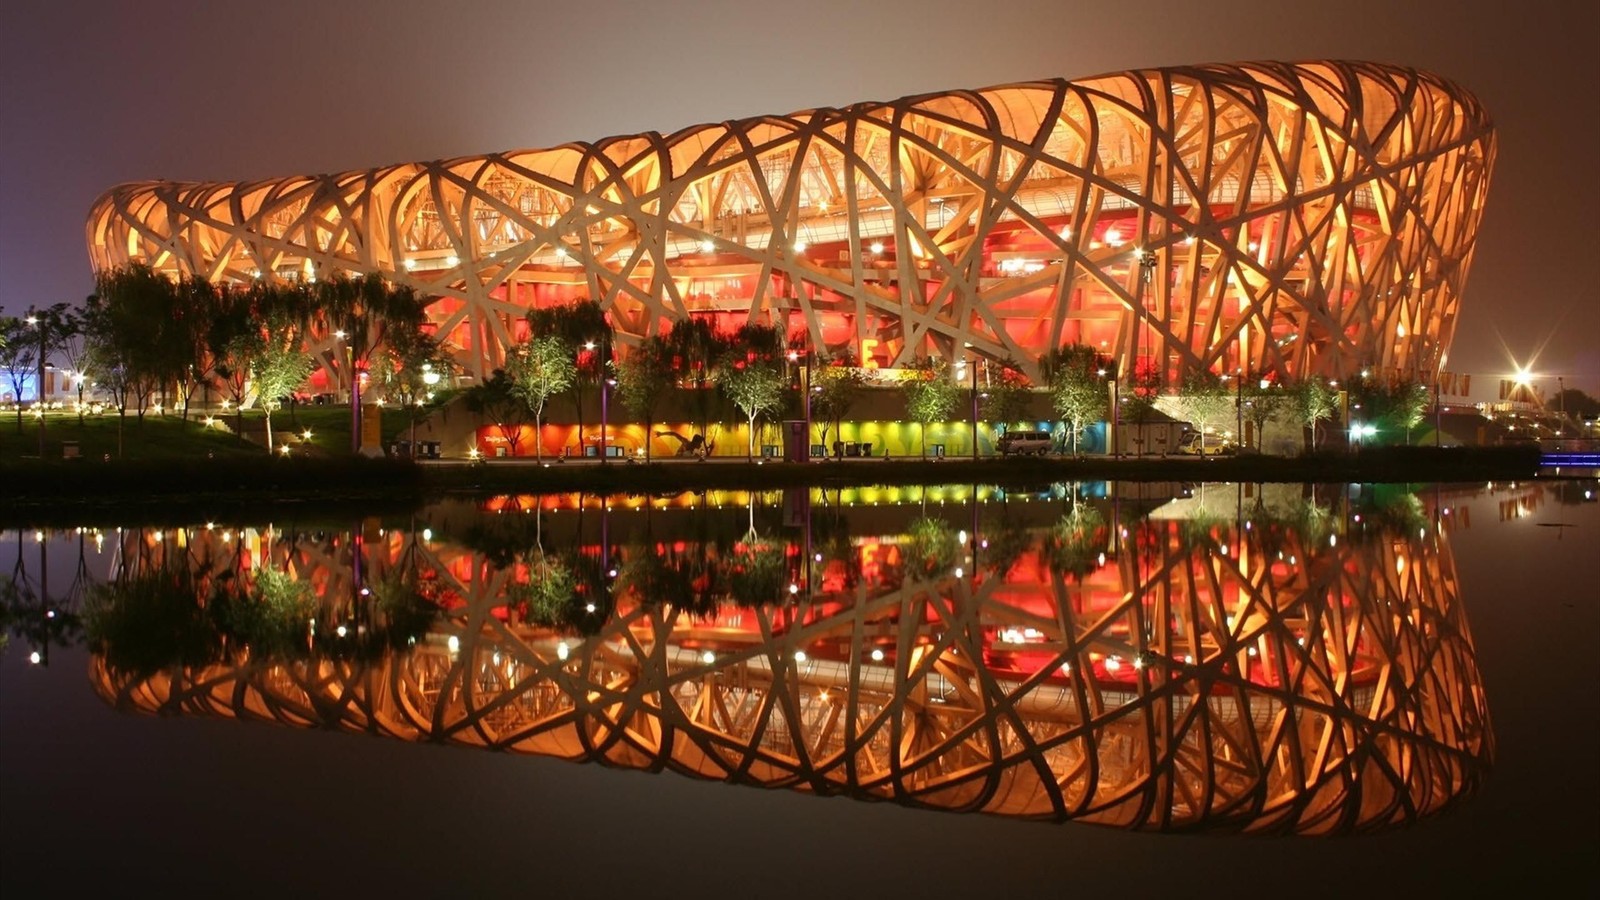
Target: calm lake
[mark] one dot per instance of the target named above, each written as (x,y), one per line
(955,690)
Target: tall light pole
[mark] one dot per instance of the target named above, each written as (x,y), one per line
(355,391)
(605,414)
(1112,409)
(38,393)
(961,375)
(1561,402)
(606,381)
(1147,267)
(973,368)
(429,378)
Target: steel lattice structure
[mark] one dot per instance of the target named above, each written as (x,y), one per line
(1294,219)
(1201,676)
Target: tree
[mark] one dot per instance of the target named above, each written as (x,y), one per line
(27,343)
(278,364)
(375,316)
(582,327)
(1076,541)
(1139,394)
(758,572)
(930,394)
(126,327)
(1005,398)
(551,586)
(929,549)
(1575,404)
(415,364)
(74,350)
(834,389)
(1077,387)
(496,399)
(537,370)
(696,346)
(1314,401)
(201,302)
(1264,401)
(234,337)
(642,377)
(1204,401)
(750,373)
(19,358)
(1388,406)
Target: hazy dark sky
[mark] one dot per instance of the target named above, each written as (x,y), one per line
(93,93)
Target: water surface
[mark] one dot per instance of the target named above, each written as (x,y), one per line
(1224,660)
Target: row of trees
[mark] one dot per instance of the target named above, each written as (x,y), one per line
(569,351)
(1076,382)
(143,336)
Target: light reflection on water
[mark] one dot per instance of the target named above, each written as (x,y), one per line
(1228,657)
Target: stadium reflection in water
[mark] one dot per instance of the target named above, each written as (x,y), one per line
(1283,661)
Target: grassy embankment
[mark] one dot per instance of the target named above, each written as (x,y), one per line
(169,437)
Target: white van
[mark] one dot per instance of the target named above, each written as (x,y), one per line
(1025,443)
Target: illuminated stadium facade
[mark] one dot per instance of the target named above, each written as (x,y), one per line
(1275,219)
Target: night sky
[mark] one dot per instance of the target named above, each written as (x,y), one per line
(95,93)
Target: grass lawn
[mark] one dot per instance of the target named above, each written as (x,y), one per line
(158,437)
(169,437)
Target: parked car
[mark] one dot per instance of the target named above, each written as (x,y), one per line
(1216,445)
(1026,443)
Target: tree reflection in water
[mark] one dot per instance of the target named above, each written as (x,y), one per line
(1298,665)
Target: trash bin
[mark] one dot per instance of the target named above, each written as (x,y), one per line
(936,449)
(769,451)
(866,449)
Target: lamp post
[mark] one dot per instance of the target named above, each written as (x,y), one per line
(974,389)
(605,416)
(1111,416)
(429,378)
(606,382)
(38,394)
(1147,267)
(962,369)
(805,403)
(1561,402)
(355,391)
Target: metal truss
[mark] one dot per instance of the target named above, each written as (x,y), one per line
(1313,218)
(1198,676)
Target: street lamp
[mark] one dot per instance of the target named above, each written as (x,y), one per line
(429,378)
(355,391)
(38,394)
(961,373)
(606,384)
(1147,268)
